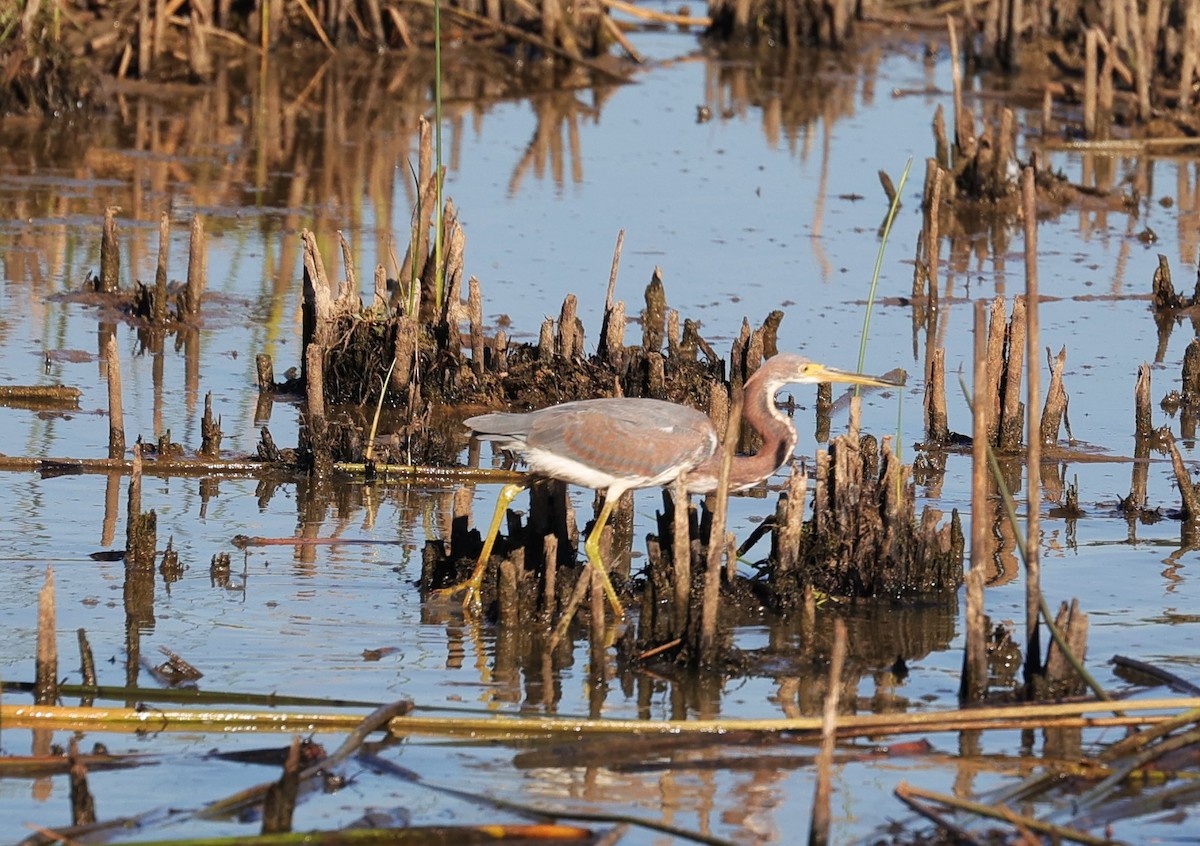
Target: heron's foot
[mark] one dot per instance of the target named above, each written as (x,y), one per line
(471,589)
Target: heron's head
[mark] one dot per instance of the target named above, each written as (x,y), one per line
(789,368)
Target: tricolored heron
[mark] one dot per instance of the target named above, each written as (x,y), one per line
(619,444)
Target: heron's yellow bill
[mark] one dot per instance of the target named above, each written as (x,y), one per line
(822,373)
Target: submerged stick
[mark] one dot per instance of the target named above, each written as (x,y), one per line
(197,275)
(83,804)
(377,720)
(159,314)
(475,322)
(110,254)
(46,665)
(279,803)
(1033,445)
(1090,77)
(937,425)
(1190,498)
(116,413)
(974,676)
(87,662)
(681,556)
(716,541)
(265,370)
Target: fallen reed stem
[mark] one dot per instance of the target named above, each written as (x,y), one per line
(999,812)
(1080,714)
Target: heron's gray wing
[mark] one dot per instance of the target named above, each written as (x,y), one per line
(641,441)
(509,429)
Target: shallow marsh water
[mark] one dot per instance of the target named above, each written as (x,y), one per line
(773,203)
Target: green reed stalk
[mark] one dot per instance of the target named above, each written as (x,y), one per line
(887,231)
(438,270)
(414,275)
(866,331)
(369,452)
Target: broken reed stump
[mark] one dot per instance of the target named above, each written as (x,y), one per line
(1006,362)
(109,280)
(1163,293)
(210,430)
(1059,678)
(1004,357)
(1134,504)
(197,272)
(432,365)
(415,334)
(156,310)
(1054,413)
(973,177)
(161,304)
(141,538)
(864,541)
(45,675)
(116,413)
(937,420)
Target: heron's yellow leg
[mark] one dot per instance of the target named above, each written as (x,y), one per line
(472,585)
(592,547)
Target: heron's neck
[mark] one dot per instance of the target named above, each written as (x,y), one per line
(760,413)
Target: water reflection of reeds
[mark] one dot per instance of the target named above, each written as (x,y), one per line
(795,91)
(323,143)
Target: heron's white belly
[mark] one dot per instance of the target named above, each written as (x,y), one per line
(551,464)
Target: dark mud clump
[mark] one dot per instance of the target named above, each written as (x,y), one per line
(42,73)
